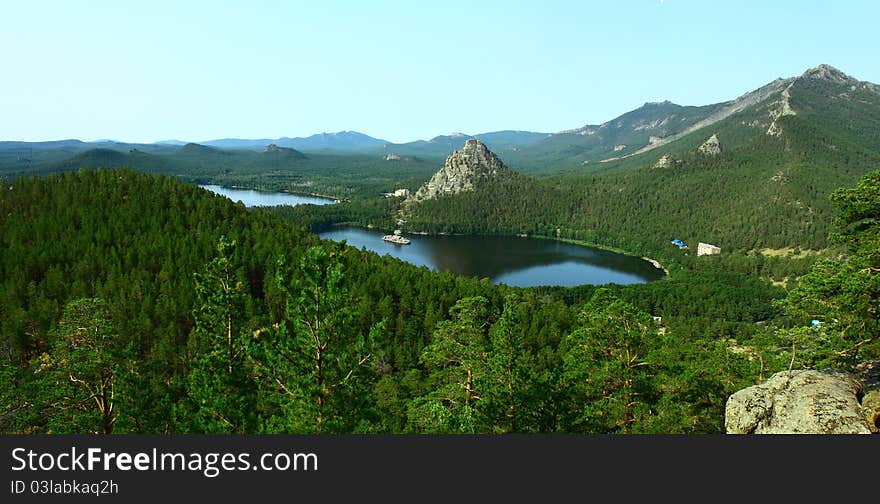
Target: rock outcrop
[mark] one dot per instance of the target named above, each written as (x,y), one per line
(665,161)
(463,170)
(774,130)
(800,402)
(783,110)
(712,146)
(285,151)
(868,373)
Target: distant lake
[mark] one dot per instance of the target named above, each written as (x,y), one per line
(520,262)
(259,198)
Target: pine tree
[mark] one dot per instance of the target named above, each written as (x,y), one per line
(456,361)
(219,385)
(605,374)
(313,363)
(78,386)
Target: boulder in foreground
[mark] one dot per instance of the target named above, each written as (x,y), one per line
(800,402)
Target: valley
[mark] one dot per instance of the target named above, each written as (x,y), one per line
(208,316)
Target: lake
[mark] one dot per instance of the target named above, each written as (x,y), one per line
(259,198)
(520,262)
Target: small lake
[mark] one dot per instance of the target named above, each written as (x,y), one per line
(520,262)
(259,198)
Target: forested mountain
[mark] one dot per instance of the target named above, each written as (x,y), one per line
(272,168)
(192,308)
(137,303)
(342,141)
(783,148)
(767,186)
(646,128)
(443,145)
(134,302)
(620,136)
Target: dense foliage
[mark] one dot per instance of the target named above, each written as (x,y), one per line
(840,299)
(743,199)
(135,302)
(204,316)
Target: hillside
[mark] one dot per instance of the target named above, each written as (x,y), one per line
(342,141)
(194,149)
(783,150)
(191,305)
(271,168)
(350,141)
(784,147)
(283,152)
(626,134)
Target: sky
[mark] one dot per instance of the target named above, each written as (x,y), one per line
(145,71)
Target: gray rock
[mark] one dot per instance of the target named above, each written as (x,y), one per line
(665,161)
(868,373)
(871,408)
(712,146)
(806,402)
(463,170)
(828,73)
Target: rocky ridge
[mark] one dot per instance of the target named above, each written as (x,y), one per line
(725,110)
(778,90)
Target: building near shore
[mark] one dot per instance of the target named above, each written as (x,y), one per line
(707,249)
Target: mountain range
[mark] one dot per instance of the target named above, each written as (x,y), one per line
(650,126)
(748,174)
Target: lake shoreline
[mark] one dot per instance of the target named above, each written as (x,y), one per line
(249,194)
(505,258)
(581,243)
(616,250)
(276,191)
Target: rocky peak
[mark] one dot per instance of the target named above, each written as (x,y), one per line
(712,146)
(828,73)
(463,170)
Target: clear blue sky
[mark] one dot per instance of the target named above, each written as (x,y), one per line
(401,71)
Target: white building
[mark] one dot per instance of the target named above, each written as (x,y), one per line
(707,249)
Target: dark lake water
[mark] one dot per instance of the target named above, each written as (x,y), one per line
(521,262)
(259,198)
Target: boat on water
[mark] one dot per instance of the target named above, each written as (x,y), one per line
(397,238)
